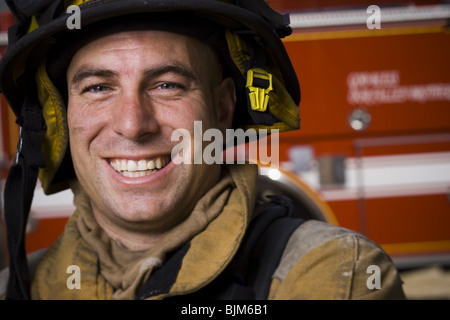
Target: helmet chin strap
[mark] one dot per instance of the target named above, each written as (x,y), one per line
(19,191)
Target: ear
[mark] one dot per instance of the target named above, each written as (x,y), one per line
(225,94)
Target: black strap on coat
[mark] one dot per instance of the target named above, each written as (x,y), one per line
(249,275)
(19,190)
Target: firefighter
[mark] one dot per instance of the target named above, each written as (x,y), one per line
(99,88)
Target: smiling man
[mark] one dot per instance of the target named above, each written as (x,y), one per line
(98,108)
(121,120)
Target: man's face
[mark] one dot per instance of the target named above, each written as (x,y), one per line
(127,93)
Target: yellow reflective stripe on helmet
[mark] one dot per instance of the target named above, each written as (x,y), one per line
(238,50)
(283,106)
(33,24)
(56,137)
(68,3)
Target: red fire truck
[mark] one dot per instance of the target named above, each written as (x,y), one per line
(375,137)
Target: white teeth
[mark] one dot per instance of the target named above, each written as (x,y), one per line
(132,168)
(142,165)
(123,165)
(135,174)
(132,165)
(158,163)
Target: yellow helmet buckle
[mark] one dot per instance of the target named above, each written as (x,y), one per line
(259,83)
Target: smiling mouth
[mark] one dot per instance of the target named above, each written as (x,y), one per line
(140,168)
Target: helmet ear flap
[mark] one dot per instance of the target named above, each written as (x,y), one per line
(56,137)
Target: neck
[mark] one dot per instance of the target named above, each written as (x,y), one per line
(138,238)
(133,236)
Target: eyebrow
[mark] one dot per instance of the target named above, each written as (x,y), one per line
(87,72)
(173,68)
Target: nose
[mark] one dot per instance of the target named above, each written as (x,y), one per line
(133,118)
